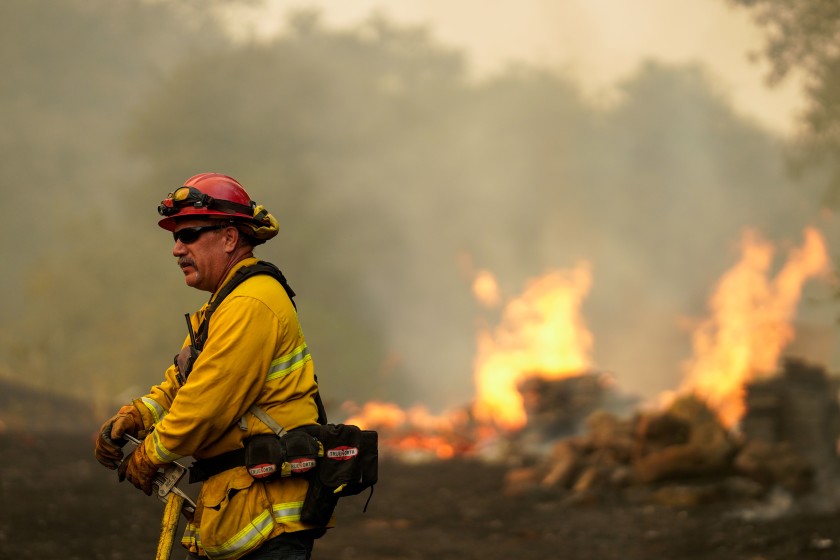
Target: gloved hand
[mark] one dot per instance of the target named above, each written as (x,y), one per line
(126,421)
(106,451)
(139,470)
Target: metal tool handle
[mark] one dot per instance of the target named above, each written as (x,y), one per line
(165,481)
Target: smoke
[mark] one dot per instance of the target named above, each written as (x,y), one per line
(654,193)
(395,176)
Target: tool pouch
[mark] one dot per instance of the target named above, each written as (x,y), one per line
(264,456)
(349,465)
(319,504)
(293,454)
(302,451)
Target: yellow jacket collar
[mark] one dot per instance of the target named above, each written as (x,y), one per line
(243,263)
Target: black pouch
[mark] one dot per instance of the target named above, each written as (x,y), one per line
(349,465)
(368,464)
(319,504)
(301,453)
(264,456)
(342,460)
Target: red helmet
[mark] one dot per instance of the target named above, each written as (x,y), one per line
(206,195)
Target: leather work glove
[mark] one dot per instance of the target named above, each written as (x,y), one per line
(126,420)
(106,451)
(139,470)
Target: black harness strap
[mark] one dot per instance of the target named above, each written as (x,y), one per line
(203,469)
(260,267)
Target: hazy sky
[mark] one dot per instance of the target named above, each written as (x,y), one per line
(598,42)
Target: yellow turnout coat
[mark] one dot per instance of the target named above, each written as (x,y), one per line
(255,353)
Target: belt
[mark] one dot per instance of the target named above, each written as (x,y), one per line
(202,469)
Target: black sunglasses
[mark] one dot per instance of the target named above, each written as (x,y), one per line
(191,234)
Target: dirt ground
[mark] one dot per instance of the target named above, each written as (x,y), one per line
(59,503)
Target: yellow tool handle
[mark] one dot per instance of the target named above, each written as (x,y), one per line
(168,525)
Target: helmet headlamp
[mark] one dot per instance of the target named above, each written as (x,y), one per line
(191,197)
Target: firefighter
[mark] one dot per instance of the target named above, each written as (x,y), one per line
(252,353)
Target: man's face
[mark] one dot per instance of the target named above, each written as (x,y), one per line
(205,260)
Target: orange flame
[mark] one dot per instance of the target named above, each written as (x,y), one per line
(542,332)
(415,430)
(750,323)
(375,415)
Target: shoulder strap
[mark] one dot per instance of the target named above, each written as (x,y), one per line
(260,267)
(268,420)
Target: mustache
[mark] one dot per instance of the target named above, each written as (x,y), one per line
(186,261)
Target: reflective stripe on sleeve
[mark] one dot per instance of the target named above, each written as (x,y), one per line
(157,411)
(162,454)
(288,363)
(245,540)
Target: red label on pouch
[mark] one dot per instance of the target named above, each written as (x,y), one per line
(342,453)
(302,465)
(262,471)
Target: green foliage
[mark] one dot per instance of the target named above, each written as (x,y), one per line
(802,37)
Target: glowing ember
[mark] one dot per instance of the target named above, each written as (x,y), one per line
(486,289)
(375,415)
(750,322)
(415,431)
(541,332)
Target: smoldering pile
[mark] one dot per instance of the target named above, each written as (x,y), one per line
(682,454)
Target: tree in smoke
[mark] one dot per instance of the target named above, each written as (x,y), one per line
(73,72)
(327,128)
(802,37)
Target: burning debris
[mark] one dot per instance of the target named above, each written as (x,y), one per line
(684,454)
(749,322)
(416,434)
(798,410)
(734,429)
(543,331)
(556,408)
(559,407)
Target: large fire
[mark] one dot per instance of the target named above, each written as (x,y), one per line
(542,334)
(750,322)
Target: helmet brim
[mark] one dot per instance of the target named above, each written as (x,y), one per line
(169,223)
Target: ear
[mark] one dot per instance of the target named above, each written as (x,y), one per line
(231,237)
